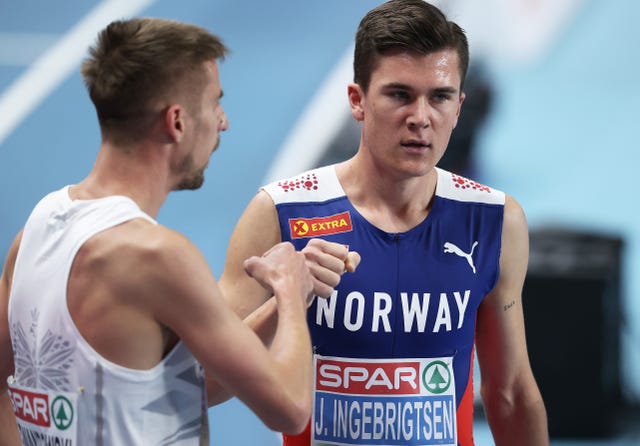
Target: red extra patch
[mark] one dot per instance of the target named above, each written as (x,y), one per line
(313,227)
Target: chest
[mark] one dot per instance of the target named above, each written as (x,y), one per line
(412,289)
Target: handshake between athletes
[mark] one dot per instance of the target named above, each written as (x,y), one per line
(324,261)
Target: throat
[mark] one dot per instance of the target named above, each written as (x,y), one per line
(394,220)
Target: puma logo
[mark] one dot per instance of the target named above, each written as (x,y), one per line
(451,248)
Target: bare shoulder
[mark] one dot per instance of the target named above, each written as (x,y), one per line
(515,237)
(261,208)
(130,287)
(256,231)
(136,261)
(514,216)
(139,263)
(514,256)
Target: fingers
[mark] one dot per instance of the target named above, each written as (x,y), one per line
(352,261)
(327,261)
(280,264)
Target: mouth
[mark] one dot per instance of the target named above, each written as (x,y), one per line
(415,144)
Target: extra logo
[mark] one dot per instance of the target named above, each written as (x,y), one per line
(314,227)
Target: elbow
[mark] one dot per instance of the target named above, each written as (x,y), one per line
(503,402)
(294,419)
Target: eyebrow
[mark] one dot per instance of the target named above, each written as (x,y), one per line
(401,86)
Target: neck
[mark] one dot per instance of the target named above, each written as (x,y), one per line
(134,174)
(392,202)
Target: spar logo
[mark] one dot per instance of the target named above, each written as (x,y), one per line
(436,377)
(384,377)
(361,378)
(34,408)
(313,227)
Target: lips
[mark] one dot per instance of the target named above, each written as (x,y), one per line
(415,144)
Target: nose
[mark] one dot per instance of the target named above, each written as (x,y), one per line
(224,122)
(419,116)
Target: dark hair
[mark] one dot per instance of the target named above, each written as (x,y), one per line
(135,62)
(413,25)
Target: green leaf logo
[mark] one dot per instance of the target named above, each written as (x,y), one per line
(436,377)
(62,412)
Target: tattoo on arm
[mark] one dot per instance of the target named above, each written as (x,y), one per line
(509,305)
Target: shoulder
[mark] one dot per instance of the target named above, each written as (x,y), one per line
(139,255)
(458,188)
(319,184)
(515,231)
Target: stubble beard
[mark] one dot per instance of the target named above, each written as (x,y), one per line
(191,180)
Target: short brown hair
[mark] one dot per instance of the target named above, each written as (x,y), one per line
(412,25)
(135,61)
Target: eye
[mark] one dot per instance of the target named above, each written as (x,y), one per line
(441,97)
(400,95)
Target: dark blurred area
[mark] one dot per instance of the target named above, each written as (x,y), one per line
(573,314)
(459,157)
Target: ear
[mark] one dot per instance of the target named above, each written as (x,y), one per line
(462,96)
(355,94)
(174,122)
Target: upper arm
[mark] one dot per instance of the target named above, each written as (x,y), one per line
(500,336)
(6,351)
(188,300)
(256,231)
(8,425)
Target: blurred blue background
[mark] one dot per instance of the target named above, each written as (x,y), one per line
(559,135)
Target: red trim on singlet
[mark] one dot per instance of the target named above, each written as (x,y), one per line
(465,412)
(303,439)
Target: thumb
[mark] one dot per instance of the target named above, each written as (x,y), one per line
(352,261)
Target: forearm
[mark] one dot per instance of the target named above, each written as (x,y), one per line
(291,350)
(291,345)
(263,322)
(522,422)
(8,426)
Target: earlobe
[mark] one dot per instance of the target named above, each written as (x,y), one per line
(355,95)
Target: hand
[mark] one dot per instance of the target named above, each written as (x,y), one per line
(279,267)
(327,261)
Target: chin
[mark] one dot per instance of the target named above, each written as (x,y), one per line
(193,183)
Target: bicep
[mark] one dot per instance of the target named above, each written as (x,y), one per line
(500,337)
(183,295)
(256,231)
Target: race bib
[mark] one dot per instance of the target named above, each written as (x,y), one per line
(44,417)
(383,402)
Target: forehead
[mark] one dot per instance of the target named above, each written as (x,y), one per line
(212,75)
(437,69)
(212,71)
